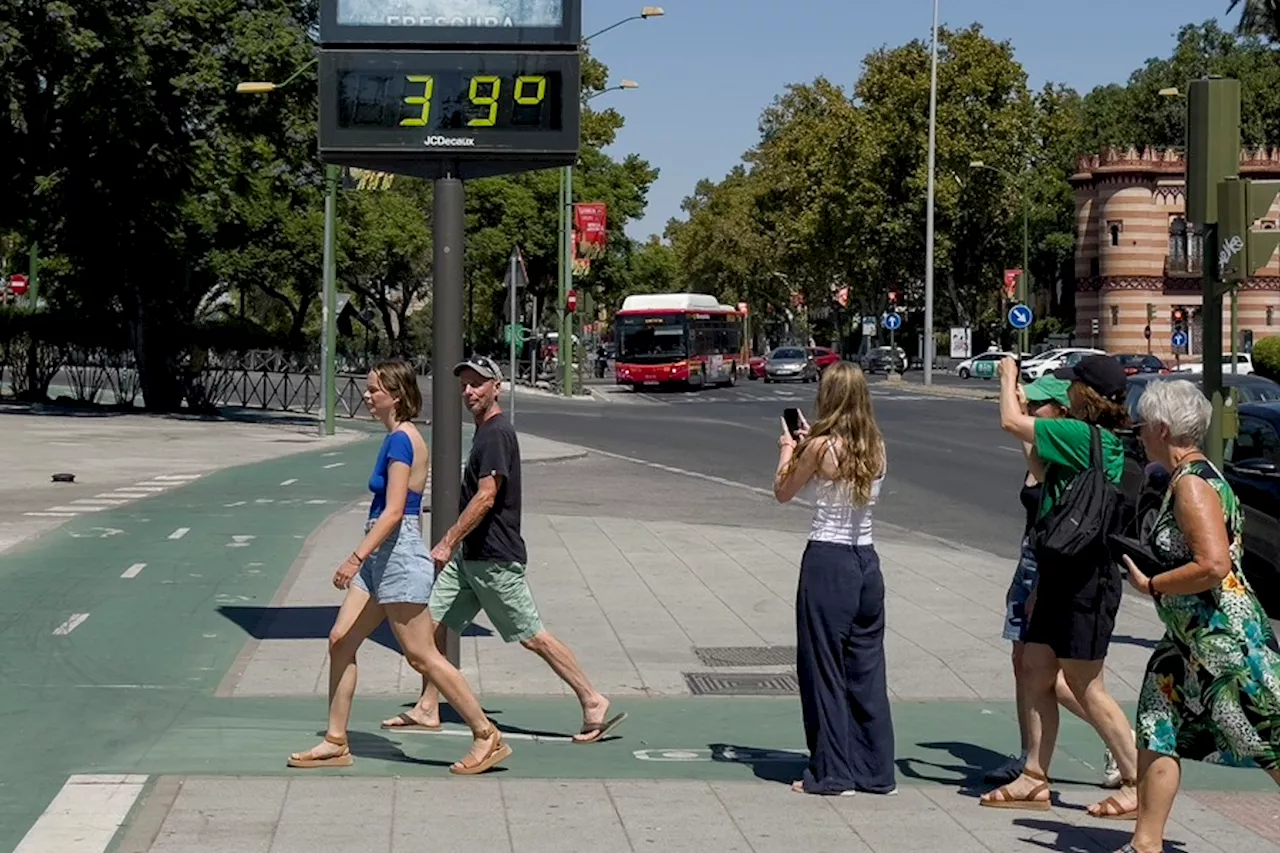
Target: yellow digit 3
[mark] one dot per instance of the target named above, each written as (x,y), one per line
(423,100)
(490,100)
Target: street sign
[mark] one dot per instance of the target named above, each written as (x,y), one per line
(1146,332)
(868,326)
(521,336)
(571,301)
(1020,316)
(892,321)
(18,284)
(1179,341)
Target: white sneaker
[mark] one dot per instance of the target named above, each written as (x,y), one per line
(1111,778)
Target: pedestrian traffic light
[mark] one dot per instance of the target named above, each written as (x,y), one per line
(1213,144)
(893,297)
(1242,251)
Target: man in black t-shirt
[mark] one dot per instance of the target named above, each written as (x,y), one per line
(481,560)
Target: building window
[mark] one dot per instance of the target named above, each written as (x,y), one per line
(1095,268)
(1270,314)
(1115,227)
(1185,247)
(1115,315)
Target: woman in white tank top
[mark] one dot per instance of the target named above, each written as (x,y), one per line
(840,662)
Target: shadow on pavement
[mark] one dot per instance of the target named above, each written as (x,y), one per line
(309,623)
(771,765)
(448,715)
(1140,642)
(1081,838)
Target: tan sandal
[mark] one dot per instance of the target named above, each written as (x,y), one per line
(1110,808)
(342,759)
(497,753)
(1003,798)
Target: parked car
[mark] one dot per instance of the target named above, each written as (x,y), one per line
(1054,359)
(823,357)
(1135,363)
(790,364)
(1244,364)
(1144,489)
(1252,467)
(966,368)
(883,360)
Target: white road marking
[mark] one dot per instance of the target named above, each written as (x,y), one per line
(97,533)
(85,815)
(133,571)
(331,453)
(180,478)
(289,482)
(73,622)
(265,500)
(317,502)
(76,508)
(236,503)
(335,464)
(699,476)
(146,487)
(51,514)
(240,541)
(1011,449)
(180,532)
(128,494)
(104,501)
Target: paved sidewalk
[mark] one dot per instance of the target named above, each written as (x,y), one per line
(645,601)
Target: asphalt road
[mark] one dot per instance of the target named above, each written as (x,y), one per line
(952,472)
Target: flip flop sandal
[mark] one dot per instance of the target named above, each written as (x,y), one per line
(599,731)
(342,759)
(1112,810)
(797,787)
(409,724)
(1003,798)
(497,753)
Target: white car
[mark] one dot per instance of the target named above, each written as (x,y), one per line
(1054,359)
(965,369)
(1244,365)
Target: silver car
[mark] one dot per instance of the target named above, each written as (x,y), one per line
(790,364)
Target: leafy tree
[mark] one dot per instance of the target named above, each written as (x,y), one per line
(1258,18)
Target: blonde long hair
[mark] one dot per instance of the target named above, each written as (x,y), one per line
(846,424)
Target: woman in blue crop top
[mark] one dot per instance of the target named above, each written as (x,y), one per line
(389,576)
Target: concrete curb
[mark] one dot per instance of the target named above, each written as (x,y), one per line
(528,390)
(943,390)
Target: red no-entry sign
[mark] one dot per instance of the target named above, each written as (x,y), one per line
(18,284)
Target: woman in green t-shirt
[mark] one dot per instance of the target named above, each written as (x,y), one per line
(1070,627)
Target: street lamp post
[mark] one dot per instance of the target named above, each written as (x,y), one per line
(565,326)
(329,325)
(928,239)
(1024,280)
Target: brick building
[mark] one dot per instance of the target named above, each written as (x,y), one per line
(1135,258)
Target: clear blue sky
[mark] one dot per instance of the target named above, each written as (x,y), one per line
(708,68)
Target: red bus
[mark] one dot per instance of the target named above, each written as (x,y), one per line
(677,338)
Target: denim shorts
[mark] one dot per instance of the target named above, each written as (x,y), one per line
(1024,581)
(400,571)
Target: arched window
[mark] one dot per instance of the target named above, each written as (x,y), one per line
(1114,228)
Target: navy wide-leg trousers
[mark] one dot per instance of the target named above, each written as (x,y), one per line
(844,692)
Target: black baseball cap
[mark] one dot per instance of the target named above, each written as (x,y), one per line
(1102,373)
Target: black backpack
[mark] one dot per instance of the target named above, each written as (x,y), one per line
(1086,513)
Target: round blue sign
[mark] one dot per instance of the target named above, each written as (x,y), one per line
(892,321)
(1020,316)
(1180,340)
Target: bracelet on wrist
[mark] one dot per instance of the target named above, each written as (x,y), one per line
(358,559)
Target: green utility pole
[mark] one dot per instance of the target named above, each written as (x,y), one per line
(329,333)
(33,274)
(564,347)
(1213,156)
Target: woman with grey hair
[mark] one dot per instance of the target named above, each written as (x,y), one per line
(1212,688)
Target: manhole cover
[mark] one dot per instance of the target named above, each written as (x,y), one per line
(747,655)
(741,683)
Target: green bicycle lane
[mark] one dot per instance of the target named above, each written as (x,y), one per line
(131,687)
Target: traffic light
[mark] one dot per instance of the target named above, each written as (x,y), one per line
(1213,144)
(1243,251)
(893,297)
(1178,318)
(1151,313)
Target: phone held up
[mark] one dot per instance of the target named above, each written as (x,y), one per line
(792,418)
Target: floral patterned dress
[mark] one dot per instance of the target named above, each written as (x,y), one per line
(1212,688)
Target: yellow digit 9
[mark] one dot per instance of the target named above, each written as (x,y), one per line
(490,100)
(423,101)
(539,82)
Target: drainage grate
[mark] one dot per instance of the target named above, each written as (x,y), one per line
(747,655)
(741,683)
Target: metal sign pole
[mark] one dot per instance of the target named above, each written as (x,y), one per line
(511,330)
(448,218)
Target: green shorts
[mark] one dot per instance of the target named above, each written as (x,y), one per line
(465,587)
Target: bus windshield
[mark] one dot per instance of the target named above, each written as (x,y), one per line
(653,339)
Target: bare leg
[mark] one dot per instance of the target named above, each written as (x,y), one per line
(1068,700)
(415,631)
(358,616)
(562,661)
(426,711)
(1083,677)
(1020,696)
(1039,672)
(1158,778)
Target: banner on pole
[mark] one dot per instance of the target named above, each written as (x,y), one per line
(591,229)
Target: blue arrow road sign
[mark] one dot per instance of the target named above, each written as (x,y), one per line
(1020,316)
(1179,340)
(892,321)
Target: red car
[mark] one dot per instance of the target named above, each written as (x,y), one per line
(755,367)
(824,357)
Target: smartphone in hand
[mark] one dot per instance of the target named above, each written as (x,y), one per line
(792,418)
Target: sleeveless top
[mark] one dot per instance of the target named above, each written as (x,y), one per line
(836,518)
